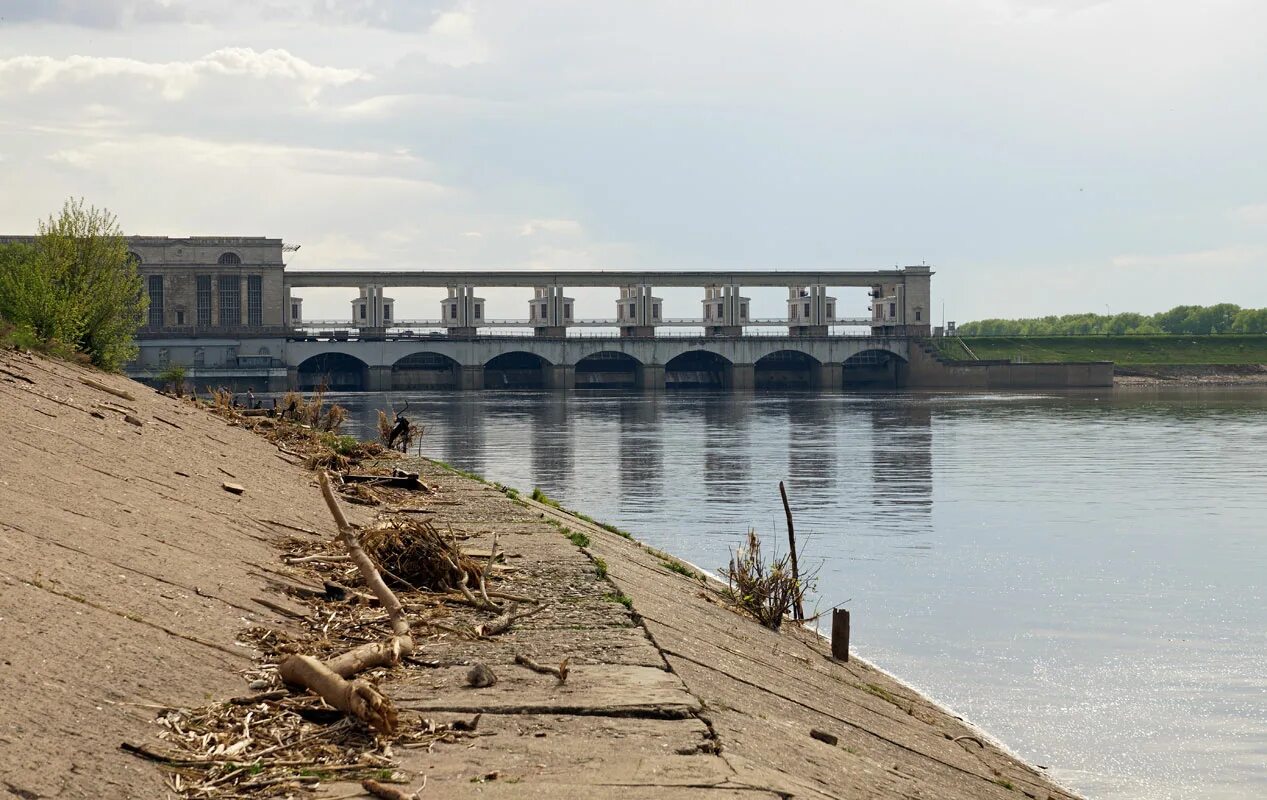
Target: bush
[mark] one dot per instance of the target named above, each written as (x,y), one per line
(767,591)
(174,376)
(75,286)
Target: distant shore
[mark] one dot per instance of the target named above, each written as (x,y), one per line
(1190,375)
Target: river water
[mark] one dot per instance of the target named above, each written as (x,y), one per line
(1081,574)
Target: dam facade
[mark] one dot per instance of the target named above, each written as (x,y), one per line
(226,310)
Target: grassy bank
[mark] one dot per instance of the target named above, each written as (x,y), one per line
(1124,350)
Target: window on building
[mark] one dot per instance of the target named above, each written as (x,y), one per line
(229,259)
(361,311)
(831,310)
(230,287)
(807,311)
(254,301)
(453,310)
(567,310)
(387,313)
(204,300)
(708,311)
(632,310)
(918,314)
(655,310)
(156,300)
(180,317)
(892,309)
(294,311)
(545,310)
(743,310)
(200,357)
(478,309)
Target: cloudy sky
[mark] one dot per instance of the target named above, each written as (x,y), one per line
(1046,156)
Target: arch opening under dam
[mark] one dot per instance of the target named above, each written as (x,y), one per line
(787,369)
(516,370)
(335,372)
(872,369)
(607,370)
(421,371)
(697,369)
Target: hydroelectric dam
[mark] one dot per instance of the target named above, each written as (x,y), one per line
(226,310)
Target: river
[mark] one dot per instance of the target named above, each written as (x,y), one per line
(1081,574)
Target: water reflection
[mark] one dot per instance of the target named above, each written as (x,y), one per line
(641,449)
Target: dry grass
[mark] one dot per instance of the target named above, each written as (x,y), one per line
(763,587)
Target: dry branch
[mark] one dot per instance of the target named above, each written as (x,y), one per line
(382,790)
(503,623)
(355,697)
(107,389)
(560,672)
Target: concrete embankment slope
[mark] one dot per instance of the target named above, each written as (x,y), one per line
(128,572)
(125,571)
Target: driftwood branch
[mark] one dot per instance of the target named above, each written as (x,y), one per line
(560,672)
(355,697)
(107,389)
(503,623)
(386,792)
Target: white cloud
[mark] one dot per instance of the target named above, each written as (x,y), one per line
(1231,256)
(555,227)
(174,79)
(1252,214)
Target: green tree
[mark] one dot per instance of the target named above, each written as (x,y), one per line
(76,285)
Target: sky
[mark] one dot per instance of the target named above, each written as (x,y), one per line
(1044,156)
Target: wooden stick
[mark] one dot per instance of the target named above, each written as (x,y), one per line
(355,697)
(560,672)
(385,792)
(503,623)
(791,538)
(369,573)
(107,389)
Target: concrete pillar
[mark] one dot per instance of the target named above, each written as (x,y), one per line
(378,379)
(292,378)
(471,378)
(829,376)
(649,377)
(560,377)
(741,377)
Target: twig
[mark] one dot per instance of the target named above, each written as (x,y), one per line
(791,538)
(503,623)
(560,672)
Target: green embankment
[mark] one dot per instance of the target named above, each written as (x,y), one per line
(1122,350)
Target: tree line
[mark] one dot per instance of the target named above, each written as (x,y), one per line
(1192,320)
(74,289)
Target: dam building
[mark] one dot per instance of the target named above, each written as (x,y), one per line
(224,308)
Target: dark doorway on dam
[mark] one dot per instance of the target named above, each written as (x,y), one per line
(335,372)
(607,370)
(786,369)
(872,369)
(516,370)
(425,371)
(698,369)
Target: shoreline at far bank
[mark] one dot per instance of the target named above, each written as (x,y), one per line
(1190,375)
